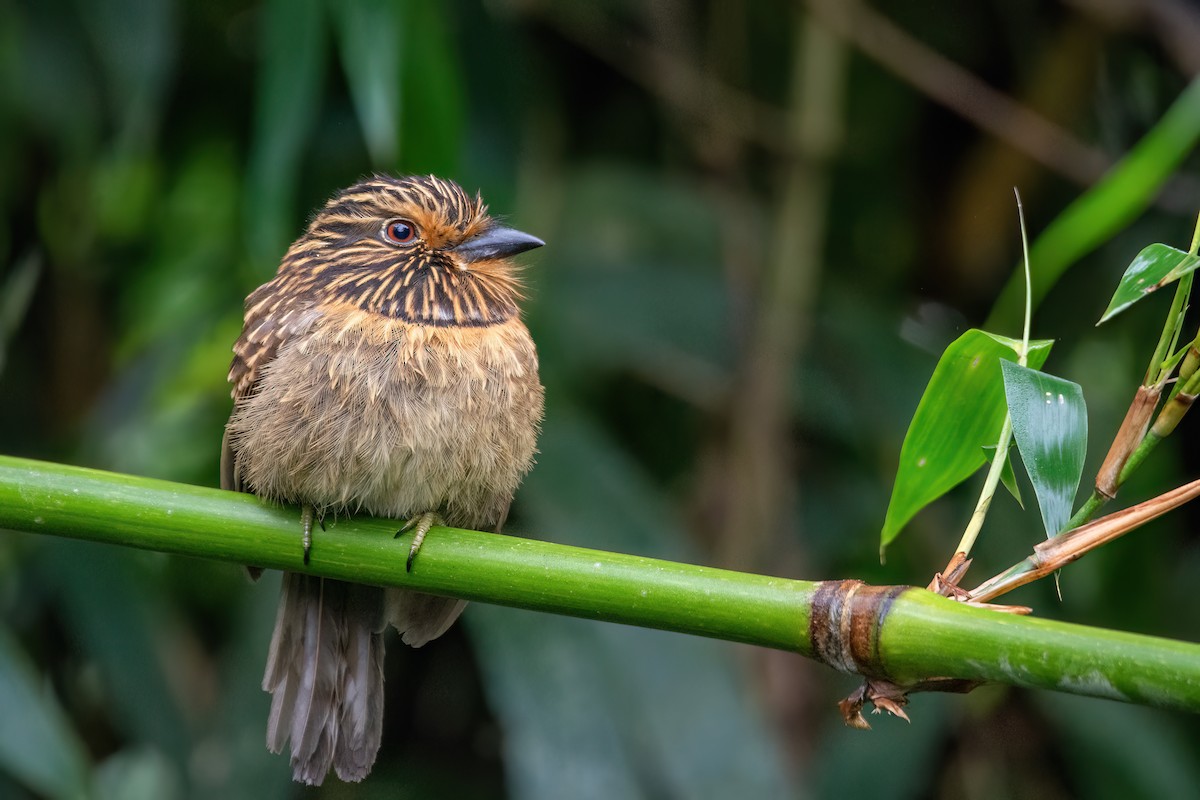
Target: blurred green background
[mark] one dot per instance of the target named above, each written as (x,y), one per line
(764,221)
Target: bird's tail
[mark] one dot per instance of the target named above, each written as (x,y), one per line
(420,617)
(325,675)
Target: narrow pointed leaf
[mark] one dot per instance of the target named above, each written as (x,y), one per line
(1155,267)
(289,97)
(370,42)
(1049,421)
(960,413)
(1007,476)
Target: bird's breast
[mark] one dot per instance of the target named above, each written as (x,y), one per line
(366,412)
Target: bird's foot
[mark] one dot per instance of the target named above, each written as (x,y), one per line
(421,524)
(307,515)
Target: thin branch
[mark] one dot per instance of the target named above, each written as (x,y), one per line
(1058,551)
(674,80)
(960,91)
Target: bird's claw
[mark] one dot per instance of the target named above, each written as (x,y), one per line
(421,524)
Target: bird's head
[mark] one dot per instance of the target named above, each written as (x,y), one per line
(415,248)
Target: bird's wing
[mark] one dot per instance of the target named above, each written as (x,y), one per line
(271,320)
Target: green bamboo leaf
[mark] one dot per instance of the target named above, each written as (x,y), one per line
(139,773)
(136,77)
(960,413)
(97,585)
(435,95)
(1007,476)
(287,100)
(1155,267)
(1120,751)
(546,682)
(576,697)
(249,771)
(37,745)
(1109,206)
(1049,421)
(16,295)
(371,40)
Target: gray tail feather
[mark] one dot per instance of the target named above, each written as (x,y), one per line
(325,675)
(421,617)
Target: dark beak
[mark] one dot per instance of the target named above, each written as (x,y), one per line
(497,242)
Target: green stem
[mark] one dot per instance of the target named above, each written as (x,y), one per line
(1187,367)
(1094,503)
(1157,372)
(1028,270)
(1173,410)
(1192,359)
(975,525)
(989,489)
(913,634)
(1168,418)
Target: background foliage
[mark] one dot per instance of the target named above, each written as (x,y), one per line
(761,235)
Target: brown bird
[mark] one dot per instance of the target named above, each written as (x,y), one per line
(384,369)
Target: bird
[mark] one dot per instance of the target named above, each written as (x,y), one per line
(385,369)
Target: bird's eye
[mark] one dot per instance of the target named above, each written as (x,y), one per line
(400,231)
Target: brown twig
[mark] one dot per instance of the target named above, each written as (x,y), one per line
(946,582)
(960,91)
(1055,553)
(1129,436)
(674,80)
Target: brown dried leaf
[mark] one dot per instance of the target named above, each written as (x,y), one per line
(946,582)
(887,696)
(851,708)
(852,714)
(895,707)
(884,695)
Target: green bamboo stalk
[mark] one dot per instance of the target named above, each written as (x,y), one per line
(902,634)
